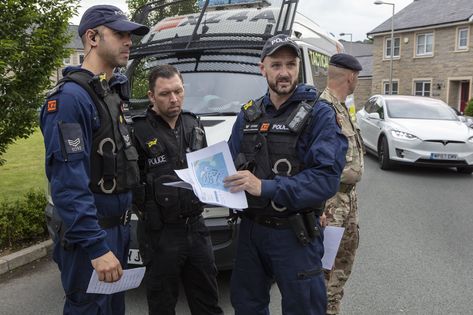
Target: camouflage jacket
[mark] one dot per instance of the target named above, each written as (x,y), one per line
(354,157)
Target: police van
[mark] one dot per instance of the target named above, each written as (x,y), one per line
(217,50)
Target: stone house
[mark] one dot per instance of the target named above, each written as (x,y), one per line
(363,51)
(75,58)
(433,51)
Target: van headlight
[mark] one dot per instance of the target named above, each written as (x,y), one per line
(403,135)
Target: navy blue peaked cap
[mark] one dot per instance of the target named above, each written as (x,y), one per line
(111,17)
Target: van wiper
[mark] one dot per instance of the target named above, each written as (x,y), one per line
(217,114)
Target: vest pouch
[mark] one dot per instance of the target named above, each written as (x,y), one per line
(132,170)
(261,169)
(153,217)
(167,197)
(190,205)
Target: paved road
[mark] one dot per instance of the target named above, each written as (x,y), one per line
(416,249)
(415,253)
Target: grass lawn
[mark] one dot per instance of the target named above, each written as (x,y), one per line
(24,167)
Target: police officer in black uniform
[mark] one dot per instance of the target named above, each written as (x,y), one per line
(174,241)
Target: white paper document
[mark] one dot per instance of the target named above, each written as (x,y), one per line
(130,279)
(207,169)
(332,237)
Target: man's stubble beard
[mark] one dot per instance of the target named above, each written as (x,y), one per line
(278,91)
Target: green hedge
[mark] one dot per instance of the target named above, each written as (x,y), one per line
(469,108)
(23,220)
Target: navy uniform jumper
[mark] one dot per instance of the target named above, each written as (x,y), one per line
(69,120)
(266,254)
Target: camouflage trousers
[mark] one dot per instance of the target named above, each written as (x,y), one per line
(342,211)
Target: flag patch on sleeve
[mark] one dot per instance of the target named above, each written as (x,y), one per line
(52,106)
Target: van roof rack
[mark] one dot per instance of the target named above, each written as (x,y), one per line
(206,35)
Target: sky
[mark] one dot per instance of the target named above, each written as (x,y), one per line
(357,17)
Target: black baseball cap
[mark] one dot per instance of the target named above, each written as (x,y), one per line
(111,17)
(277,42)
(345,61)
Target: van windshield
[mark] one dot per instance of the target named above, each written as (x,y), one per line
(218,84)
(215,93)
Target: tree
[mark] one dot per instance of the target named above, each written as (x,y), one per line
(33,36)
(172,8)
(469,108)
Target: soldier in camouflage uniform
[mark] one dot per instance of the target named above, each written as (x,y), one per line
(341,210)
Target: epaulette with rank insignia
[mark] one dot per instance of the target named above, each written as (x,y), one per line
(55,89)
(252,110)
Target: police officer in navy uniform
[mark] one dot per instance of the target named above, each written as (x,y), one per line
(290,153)
(174,241)
(90,162)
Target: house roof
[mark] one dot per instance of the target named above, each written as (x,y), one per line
(364,53)
(357,48)
(423,13)
(367,64)
(76,42)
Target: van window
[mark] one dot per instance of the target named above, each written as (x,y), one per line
(319,67)
(212,86)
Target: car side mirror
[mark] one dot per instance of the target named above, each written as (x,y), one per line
(373,116)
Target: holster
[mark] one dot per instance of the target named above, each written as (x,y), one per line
(58,229)
(297,224)
(311,225)
(304,226)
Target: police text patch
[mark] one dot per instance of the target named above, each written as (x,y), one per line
(72,139)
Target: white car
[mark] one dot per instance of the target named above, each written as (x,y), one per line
(415,130)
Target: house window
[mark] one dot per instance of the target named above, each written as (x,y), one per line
(397,45)
(422,88)
(395,87)
(425,44)
(462,38)
(81,58)
(67,60)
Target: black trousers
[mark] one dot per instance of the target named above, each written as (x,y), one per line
(181,252)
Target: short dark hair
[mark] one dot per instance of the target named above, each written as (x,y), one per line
(162,71)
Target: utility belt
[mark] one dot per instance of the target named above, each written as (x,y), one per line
(184,221)
(303,224)
(105,223)
(346,188)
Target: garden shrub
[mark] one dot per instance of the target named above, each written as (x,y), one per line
(23,220)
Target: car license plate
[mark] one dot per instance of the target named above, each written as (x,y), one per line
(443,156)
(134,257)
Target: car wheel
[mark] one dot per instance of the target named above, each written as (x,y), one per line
(385,162)
(465,169)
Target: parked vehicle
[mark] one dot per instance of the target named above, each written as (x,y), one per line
(467,120)
(217,52)
(415,130)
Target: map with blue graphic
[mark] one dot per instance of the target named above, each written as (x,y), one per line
(211,171)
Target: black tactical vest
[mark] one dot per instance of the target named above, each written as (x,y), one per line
(163,150)
(114,167)
(268,148)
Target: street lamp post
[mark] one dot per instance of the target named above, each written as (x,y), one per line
(392,46)
(351,39)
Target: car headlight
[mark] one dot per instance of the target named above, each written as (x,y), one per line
(403,135)
(470,139)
